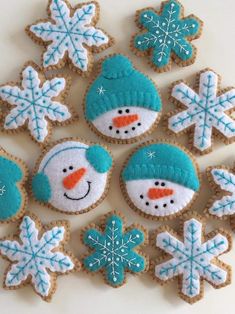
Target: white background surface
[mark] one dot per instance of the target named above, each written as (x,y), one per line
(82,293)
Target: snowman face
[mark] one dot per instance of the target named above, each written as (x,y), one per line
(125,122)
(158,197)
(75,184)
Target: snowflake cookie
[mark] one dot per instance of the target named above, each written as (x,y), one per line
(192,257)
(13,196)
(222,180)
(207,111)
(69,35)
(37,256)
(160,180)
(166,36)
(37,101)
(122,104)
(114,249)
(72,176)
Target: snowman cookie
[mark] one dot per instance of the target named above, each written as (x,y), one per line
(122,104)
(160,180)
(13,197)
(72,176)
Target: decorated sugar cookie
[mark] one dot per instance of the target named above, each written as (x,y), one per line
(13,197)
(206,112)
(193,257)
(36,102)
(222,205)
(115,249)
(70,35)
(122,104)
(37,256)
(160,180)
(72,176)
(166,36)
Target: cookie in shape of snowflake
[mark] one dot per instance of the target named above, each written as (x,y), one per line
(37,260)
(193,260)
(205,110)
(224,179)
(168,35)
(114,250)
(35,102)
(70,34)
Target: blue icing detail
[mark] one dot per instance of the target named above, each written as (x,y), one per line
(10,195)
(162,161)
(99,158)
(41,187)
(114,251)
(120,85)
(167,33)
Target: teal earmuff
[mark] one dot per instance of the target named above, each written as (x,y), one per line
(96,155)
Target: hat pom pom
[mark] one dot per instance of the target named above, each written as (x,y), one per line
(116,66)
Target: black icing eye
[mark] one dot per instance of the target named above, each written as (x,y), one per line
(120,111)
(64,170)
(71,168)
(127,110)
(156,183)
(163,184)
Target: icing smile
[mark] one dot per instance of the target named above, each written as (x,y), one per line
(80,198)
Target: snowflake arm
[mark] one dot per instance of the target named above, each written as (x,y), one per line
(113,250)
(192,259)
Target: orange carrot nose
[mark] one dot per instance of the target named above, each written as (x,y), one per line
(72,179)
(122,121)
(155,194)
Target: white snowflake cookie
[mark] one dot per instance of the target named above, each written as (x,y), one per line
(37,256)
(222,181)
(72,176)
(160,180)
(69,35)
(122,104)
(207,112)
(193,257)
(36,102)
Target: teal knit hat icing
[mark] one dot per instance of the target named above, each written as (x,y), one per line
(122,85)
(162,161)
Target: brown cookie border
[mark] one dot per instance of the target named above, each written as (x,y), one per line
(139,211)
(61,98)
(173,57)
(21,185)
(109,139)
(100,226)
(66,60)
(180,236)
(191,130)
(42,155)
(60,248)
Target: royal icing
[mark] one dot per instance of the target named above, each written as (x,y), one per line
(160,180)
(13,197)
(34,103)
(70,32)
(34,257)
(193,259)
(114,250)
(72,176)
(205,111)
(167,33)
(225,206)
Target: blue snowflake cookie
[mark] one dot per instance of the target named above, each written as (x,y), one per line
(37,256)
(193,257)
(166,36)
(13,196)
(70,35)
(36,102)
(207,112)
(115,249)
